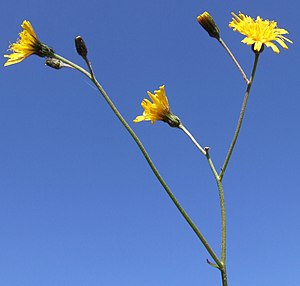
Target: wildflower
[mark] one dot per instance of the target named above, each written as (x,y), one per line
(26,45)
(209,25)
(259,32)
(158,110)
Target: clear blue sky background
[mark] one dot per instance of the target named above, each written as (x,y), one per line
(78,203)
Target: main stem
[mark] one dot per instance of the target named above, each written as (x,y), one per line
(223,217)
(224,277)
(147,157)
(222,206)
(241,117)
(205,152)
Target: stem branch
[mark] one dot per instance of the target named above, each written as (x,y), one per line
(241,117)
(234,59)
(91,76)
(205,151)
(192,138)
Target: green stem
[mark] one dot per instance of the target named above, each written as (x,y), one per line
(147,157)
(224,277)
(234,59)
(192,138)
(222,206)
(241,117)
(205,151)
(77,67)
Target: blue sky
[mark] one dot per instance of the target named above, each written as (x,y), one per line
(78,203)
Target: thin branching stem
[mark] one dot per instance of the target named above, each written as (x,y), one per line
(91,76)
(205,151)
(234,59)
(181,126)
(222,207)
(241,117)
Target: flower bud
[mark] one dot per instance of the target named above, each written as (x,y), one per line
(209,25)
(56,64)
(80,46)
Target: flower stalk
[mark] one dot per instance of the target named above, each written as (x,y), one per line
(200,148)
(205,151)
(241,117)
(234,60)
(147,157)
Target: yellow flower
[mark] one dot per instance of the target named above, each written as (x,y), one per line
(158,110)
(259,32)
(26,45)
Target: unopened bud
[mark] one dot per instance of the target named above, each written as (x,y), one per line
(80,46)
(56,64)
(209,25)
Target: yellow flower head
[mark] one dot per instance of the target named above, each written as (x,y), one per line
(26,45)
(158,110)
(259,32)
